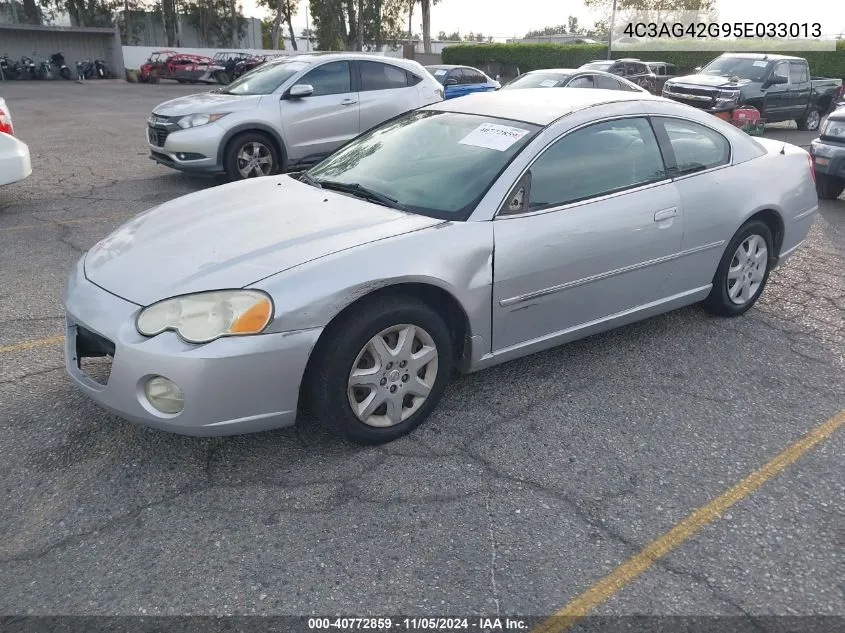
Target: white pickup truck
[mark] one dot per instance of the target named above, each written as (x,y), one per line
(14,154)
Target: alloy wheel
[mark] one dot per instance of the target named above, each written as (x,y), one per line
(254,159)
(747,269)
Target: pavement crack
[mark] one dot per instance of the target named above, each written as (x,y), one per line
(30,374)
(493,546)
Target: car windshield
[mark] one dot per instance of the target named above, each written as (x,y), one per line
(265,79)
(598,65)
(742,67)
(538,80)
(433,163)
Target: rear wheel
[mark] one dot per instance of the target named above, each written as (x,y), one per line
(829,187)
(251,155)
(223,78)
(743,271)
(384,372)
(810,121)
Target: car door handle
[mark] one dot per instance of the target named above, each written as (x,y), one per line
(346,102)
(666,214)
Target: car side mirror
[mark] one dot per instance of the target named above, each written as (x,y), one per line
(301,90)
(451,82)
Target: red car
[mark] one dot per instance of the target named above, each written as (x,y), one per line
(183,68)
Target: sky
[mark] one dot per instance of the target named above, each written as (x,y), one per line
(500,19)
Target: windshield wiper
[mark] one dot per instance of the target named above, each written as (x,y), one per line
(306,178)
(363,192)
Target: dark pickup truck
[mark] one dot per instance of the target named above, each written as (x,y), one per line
(780,87)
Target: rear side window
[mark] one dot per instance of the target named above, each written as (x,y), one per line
(607,83)
(413,79)
(378,76)
(695,147)
(596,160)
(472,76)
(584,81)
(329,79)
(456,75)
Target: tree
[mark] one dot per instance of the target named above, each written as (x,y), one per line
(652,11)
(283,12)
(572,24)
(411,4)
(425,6)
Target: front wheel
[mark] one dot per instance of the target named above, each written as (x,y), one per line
(829,187)
(65,73)
(251,155)
(743,271)
(384,372)
(222,78)
(810,121)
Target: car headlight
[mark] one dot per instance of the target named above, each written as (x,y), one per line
(833,129)
(206,316)
(194,120)
(727,97)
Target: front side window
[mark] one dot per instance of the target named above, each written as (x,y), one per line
(600,159)
(455,77)
(695,147)
(433,163)
(378,76)
(329,79)
(782,70)
(584,81)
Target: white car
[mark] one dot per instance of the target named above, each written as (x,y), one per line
(14,154)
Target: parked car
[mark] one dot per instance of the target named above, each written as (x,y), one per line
(571,78)
(778,86)
(828,152)
(288,112)
(15,163)
(229,60)
(633,70)
(183,68)
(460,235)
(662,73)
(247,64)
(459,81)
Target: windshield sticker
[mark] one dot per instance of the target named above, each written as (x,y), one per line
(761,64)
(439,72)
(492,136)
(548,83)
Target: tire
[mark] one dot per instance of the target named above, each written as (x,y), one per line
(239,148)
(328,389)
(222,78)
(829,187)
(65,73)
(719,301)
(810,122)
(182,81)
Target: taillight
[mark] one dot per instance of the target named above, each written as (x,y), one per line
(812,167)
(6,123)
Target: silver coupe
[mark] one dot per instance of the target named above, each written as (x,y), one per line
(455,237)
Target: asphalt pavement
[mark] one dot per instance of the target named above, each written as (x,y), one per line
(529,483)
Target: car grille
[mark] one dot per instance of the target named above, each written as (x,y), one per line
(94,355)
(696,97)
(157,136)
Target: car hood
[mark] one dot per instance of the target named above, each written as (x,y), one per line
(713,81)
(206,102)
(234,235)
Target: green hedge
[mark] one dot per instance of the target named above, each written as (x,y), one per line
(535,56)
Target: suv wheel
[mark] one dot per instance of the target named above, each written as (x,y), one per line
(810,122)
(829,187)
(251,155)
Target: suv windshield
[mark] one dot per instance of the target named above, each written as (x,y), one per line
(433,163)
(538,80)
(265,79)
(742,67)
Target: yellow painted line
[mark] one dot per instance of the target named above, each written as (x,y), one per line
(70,222)
(42,342)
(580,606)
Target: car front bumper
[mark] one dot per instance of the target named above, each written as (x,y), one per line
(192,150)
(15,163)
(828,157)
(231,386)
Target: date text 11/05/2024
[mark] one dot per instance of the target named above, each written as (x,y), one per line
(714,30)
(443,625)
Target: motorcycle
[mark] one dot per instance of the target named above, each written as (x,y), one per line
(45,70)
(28,68)
(100,70)
(58,61)
(84,70)
(8,68)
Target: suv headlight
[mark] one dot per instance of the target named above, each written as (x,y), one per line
(833,129)
(194,120)
(206,316)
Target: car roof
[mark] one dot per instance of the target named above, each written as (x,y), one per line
(553,70)
(539,106)
(407,64)
(762,56)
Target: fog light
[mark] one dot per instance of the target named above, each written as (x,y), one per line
(165,395)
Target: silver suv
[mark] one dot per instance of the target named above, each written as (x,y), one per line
(287,113)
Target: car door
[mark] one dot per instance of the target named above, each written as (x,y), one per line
(385,91)
(477,80)
(699,158)
(799,88)
(319,123)
(454,85)
(588,232)
(778,96)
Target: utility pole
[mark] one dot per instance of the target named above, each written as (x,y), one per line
(610,34)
